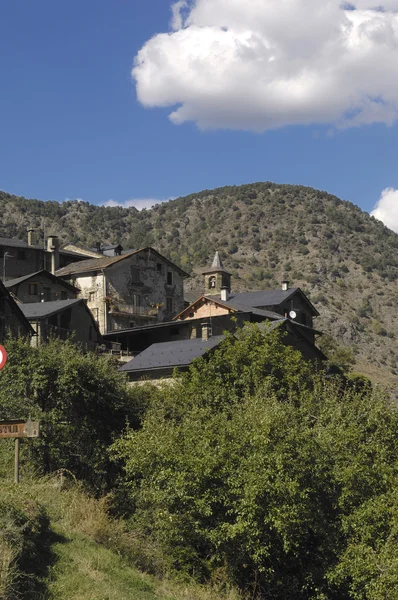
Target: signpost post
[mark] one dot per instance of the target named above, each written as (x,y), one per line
(16,428)
(19,429)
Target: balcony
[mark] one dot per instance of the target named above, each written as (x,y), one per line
(128,309)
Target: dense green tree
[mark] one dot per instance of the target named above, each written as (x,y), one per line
(254,469)
(81,401)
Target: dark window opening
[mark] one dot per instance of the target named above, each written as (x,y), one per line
(132,324)
(159,267)
(135,275)
(169,304)
(33,289)
(169,278)
(64,295)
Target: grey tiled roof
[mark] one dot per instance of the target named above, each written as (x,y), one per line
(11,282)
(41,310)
(268,314)
(22,244)
(167,355)
(18,243)
(264,298)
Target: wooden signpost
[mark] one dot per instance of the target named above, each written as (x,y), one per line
(19,429)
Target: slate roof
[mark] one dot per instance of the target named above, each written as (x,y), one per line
(22,244)
(167,355)
(42,310)
(97,264)
(216,266)
(12,282)
(264,298)
(15,307)
(268,314)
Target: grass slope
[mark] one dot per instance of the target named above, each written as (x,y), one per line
(59,544)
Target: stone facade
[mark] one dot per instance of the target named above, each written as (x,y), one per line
(138,288)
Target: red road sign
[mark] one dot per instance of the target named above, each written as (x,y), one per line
(3,356)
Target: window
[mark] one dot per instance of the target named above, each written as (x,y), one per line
(33,289)
(169,304)
(212,282)
(135,275)
(132,323)
(64,295)
(159,267)
(47,294)
(91,296)
(169,278)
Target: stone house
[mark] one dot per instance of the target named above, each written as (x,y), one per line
(12,320)
(63,319)
(19,258)
(42,286)
(137,288)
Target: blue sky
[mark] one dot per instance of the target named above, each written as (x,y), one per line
(73,127)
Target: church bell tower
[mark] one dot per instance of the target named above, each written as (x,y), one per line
(217,279)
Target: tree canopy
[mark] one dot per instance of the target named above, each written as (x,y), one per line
(255,470)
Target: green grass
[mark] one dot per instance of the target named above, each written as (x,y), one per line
(79,553)
(85,570)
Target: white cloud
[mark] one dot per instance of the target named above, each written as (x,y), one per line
(138,203)
(386,209)
(262,64)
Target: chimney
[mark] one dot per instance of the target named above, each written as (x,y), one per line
(285,285)
(206,331)
(53,247)
(224,293)
(31,237)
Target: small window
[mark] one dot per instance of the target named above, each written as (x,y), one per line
(159,267)
(132,324)
(212,282)
(169,304)
(91,296)
(64,295)
(169,278)
(21,255)
(47,294)
(33,289)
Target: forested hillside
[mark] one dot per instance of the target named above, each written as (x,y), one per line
(344,259)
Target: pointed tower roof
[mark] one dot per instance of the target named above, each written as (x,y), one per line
(216,266)
(217,263)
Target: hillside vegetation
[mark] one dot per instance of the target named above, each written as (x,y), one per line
(344,259)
